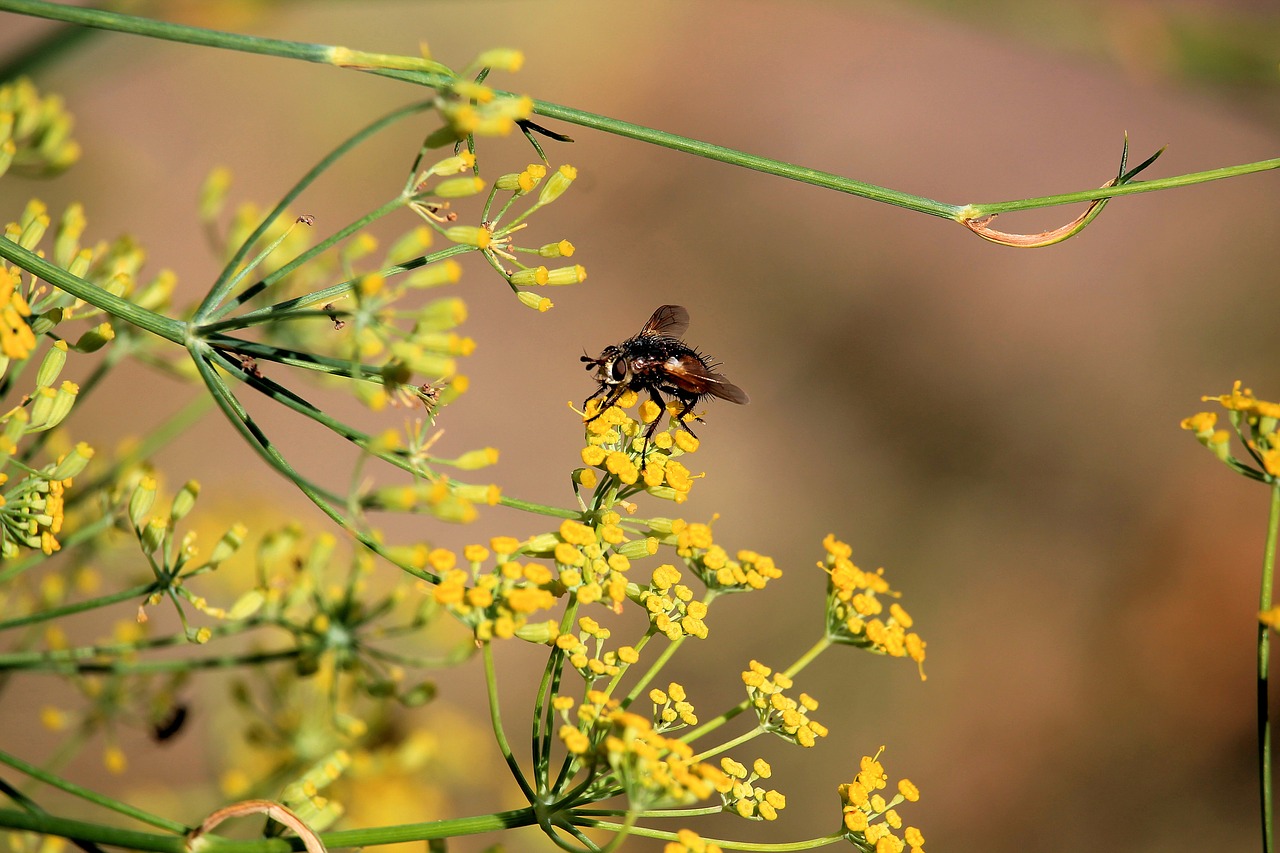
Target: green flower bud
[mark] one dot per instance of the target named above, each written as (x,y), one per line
(152,536)
(441,314)
(471,235)
(563,249)
(73,463)
(529,277)
(213,193)
(459,187)
(476,459)
(638,548)
(33,232)
(52,364)
(412,245)
(96,338)
(478,493)
(542,545)
(567,275)
(557,184)
(141,500)
(246,605)
(502,59)
(534,301)
(70,228)
(184,500)
(433,275)
(228,544)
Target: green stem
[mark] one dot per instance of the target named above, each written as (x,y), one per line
(435,76)
(39,662)
(137,592)
(1264,659)
(172,330)
(79,830)
(664,835)
(745,737)
(808,657)
(92,796)
(495,717)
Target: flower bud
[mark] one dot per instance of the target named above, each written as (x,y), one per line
(534,276)
(433,275)
(184,500)
(66,244)
(73,463)
(228,544)
(475,459)
(96,338)
(141,500)
(471,235)
(557,184)
(502,59)
(490,494)
(52,364)
(533,300)
(213,193)
(459,187)
(563,249)
(567,275)
(638,548)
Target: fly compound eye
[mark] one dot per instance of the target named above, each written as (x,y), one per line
(618,370)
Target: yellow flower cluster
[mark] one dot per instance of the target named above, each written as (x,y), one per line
(592,561)
(744,798)
(654,770)
(869,819)
(592,665)
(777,712)
(496,603)
(615,442)
(35,133)
(672,609)
(712,564)
(671,708)
(1260,417)
(855,613)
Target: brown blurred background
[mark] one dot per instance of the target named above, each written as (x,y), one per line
(998,428)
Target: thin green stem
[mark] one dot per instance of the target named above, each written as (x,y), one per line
(413,70)
(495,717)
(137,592)
(158,324)
(80,830)
(665,835)
(39,662)
(745,737)
(1264,661)
(808,657)
(92,796)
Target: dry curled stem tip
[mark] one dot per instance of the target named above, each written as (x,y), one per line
(275,811)
(981,225)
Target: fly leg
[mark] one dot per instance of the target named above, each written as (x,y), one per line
(686,411)
(613,393)
(652,428)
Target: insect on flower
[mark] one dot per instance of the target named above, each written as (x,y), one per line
(658,361)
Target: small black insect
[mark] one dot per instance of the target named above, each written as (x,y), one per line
(657,361)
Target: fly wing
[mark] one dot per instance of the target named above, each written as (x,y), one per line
(691,374)
(669,321)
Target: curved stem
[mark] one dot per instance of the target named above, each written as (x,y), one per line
(424,73)
(1264,660)
(495,716)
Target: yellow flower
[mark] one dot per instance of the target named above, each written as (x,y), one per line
(16,338)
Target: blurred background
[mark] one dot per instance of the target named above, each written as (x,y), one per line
(998,428)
